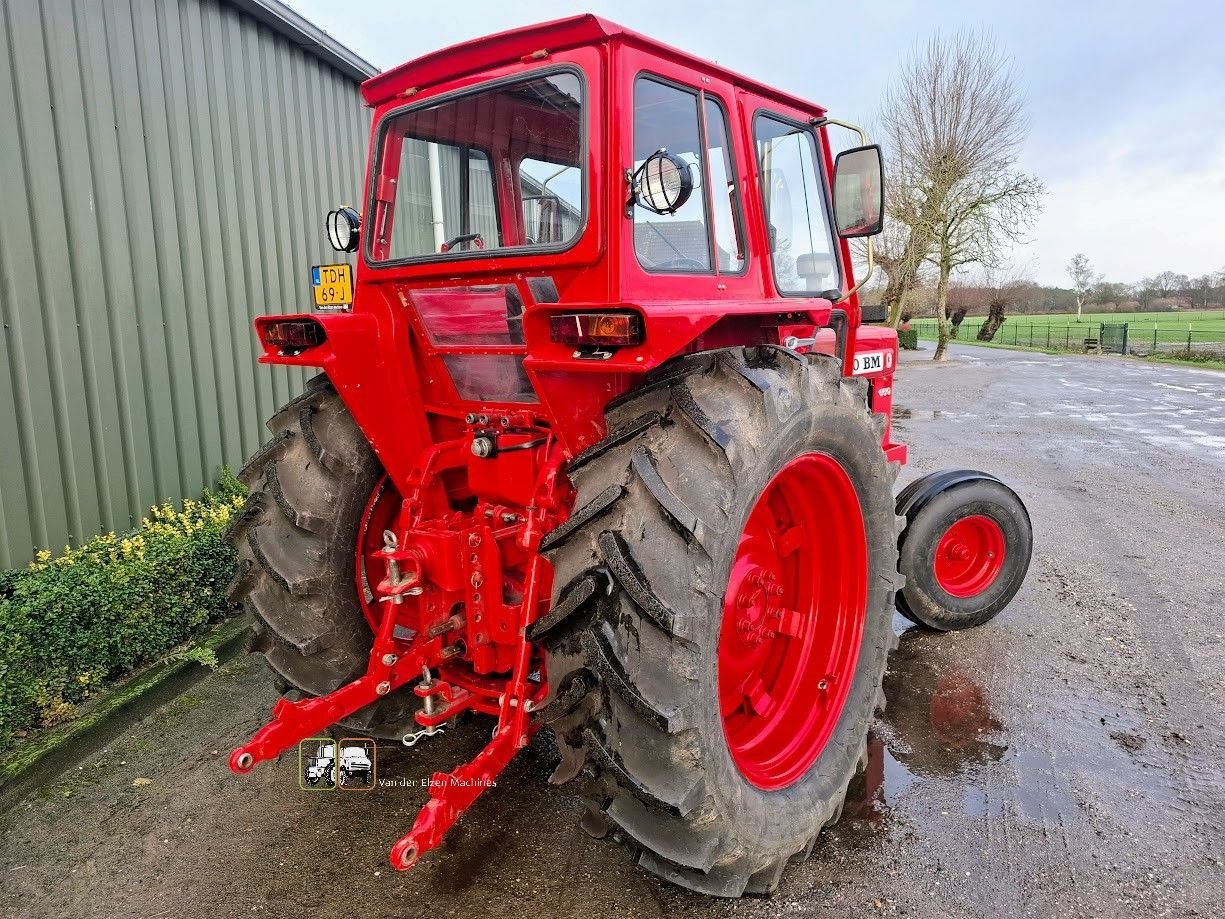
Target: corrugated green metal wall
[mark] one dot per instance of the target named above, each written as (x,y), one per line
(165,166)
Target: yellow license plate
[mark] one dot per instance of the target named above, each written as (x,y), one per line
(333,285)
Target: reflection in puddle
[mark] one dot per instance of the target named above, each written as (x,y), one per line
(938,723)
(881,781)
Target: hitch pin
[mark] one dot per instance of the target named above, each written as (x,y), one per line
(413,736)
(395,576)
(390,543)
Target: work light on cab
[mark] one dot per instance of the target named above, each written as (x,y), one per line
(344,229)
(663,183)
(608,330)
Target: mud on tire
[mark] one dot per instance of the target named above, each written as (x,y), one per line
(640,572)
(296,541)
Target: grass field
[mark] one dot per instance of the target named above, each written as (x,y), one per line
(1196,328)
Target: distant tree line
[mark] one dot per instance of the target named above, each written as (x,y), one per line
(1164,292)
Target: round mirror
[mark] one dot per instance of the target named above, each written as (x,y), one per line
(344,229)
(664,183)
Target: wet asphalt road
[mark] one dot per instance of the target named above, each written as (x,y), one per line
(1065,760)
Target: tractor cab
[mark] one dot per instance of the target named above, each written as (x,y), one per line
(554,212)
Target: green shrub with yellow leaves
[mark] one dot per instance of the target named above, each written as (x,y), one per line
(73,622)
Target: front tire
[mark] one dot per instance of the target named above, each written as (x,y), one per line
(650,567)
(965,550)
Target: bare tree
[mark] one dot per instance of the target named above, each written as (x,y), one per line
(1169,282)
(980,220)
(900,255)
(1110,292)
(990,292)
(1006,289)
(1203,286)
(954,123)
(1084,278)
(1144,289)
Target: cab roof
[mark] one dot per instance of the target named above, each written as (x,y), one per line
(513,45)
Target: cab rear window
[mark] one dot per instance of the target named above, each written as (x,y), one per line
(496,168)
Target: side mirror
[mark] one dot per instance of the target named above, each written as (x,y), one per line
(859,192)
(663,183)
(344,226)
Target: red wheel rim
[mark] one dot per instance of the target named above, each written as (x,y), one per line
(969,556)
(793,617)
(380,514)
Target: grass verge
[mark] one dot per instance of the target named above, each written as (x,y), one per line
(38,758)
(1198,363)
(992,344)
(1194,361)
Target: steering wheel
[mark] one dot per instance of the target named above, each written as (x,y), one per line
(474,238)
(684,262)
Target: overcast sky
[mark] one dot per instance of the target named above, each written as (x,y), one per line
(1126,100)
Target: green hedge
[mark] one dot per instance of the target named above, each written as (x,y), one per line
(908,339)
(70,623)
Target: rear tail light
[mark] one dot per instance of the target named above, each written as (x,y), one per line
(292,335)
(599,329)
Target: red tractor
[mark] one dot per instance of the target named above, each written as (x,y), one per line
(601,443)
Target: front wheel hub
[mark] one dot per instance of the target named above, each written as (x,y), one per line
(970,556)
(792,621)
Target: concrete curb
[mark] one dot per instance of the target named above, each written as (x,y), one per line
(48,754)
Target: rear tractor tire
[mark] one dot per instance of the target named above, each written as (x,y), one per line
(296,539)
(722,614)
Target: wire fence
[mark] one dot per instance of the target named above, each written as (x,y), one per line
(1186,339)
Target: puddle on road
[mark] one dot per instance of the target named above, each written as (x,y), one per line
(939,739)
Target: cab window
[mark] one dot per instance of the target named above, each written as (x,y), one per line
(446,185)
(706,235)
(724,192)
(463,208)
(797,213)
(666,117)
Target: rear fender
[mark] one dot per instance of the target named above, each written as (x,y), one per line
(669,329)
(915,496)
(369,361)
